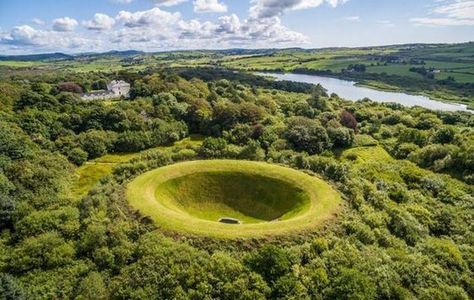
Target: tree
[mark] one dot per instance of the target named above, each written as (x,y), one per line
(96,143)
(7,211)
(250,113)
(240,134)
(351,284)
(10,289)
(444,135)
(414,136)
(77,156)
(134,141)
(341,137)
(212,147)
(92,287)
(166,104)
(226,114)
(47,250)
(317,99)
(70,87)
(100,84)
(403,225)
(166,133)
(271,262)
(348,120)
(438,156)
(252,151)
(13,141)
(307,135)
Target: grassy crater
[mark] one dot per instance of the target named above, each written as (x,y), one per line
(269,199)
(251,198)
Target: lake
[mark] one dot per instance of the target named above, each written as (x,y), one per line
(350,91)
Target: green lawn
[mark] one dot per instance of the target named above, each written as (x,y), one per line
(394,69)
(190,197)
(88,175)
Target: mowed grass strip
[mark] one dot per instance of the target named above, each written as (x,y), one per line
(190,197)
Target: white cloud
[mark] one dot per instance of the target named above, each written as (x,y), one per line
(352,18)
(168,3)
(449,13)
(99,22)
(154,16)
(229,24)
(272,31)
(273,8)
(386,23)
(442,21)
(152,30)
(64,24)
(195,29)
(38,21)
(335,3)
(205,6)
(25,36)
(460,9)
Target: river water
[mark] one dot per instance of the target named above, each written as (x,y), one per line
(348,90)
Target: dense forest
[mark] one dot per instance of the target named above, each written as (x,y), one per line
(406,176)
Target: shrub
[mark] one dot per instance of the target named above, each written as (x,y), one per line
(444,135)
(252,151)
(403,225)
(212,147)
(184,154)
(77,156)
(403,150)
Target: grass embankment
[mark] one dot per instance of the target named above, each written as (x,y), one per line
(190,197)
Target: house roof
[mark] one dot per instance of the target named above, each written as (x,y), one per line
(119,82)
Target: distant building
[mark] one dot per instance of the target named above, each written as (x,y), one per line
(115,89)
(120,88)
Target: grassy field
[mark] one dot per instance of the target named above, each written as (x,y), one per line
(88,175)
(20,64)
(190,197)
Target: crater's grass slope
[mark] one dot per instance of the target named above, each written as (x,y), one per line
(269,199)
(248,197)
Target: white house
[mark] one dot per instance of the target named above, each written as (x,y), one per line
(119,88)
(115,89)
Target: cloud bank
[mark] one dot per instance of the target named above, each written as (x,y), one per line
(449,13)
(158,28)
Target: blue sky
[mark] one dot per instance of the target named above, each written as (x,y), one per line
(71,26)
